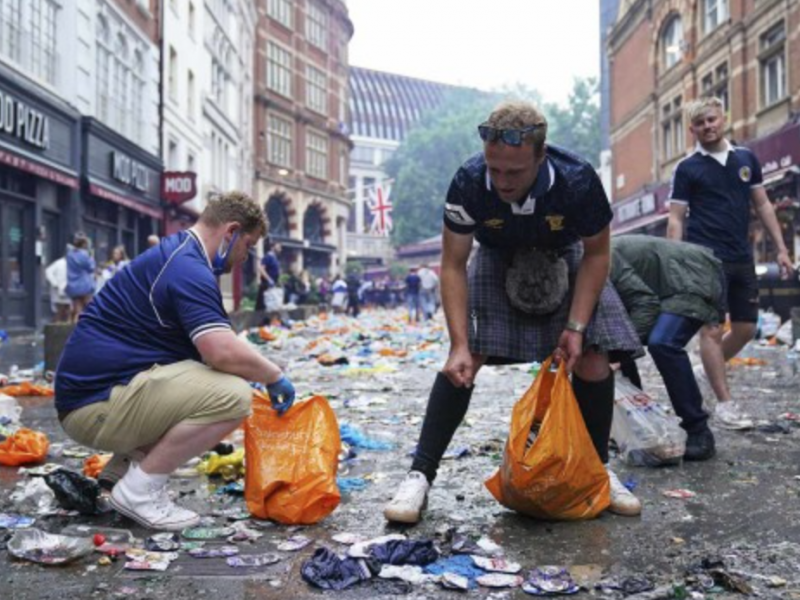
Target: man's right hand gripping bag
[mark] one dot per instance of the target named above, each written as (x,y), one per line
(292,461)
(560,477)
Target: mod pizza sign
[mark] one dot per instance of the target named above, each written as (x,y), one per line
(178,187)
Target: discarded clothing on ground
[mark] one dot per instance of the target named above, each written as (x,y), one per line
(326,570)
(405,552)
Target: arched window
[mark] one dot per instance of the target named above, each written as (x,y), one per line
(312,225)
(103,67)
(672,42)
(277,217)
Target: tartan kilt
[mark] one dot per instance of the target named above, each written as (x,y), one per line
(506,334)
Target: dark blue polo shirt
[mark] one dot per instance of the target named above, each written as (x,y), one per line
(151,313)
(567,202)
(719,200)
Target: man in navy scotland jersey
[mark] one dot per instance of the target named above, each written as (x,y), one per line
(713,190)
(153,371)
(521,198)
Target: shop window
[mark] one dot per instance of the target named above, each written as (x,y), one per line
(772,60)
(672,133)
(672,42)
(277,217)
(14,233)
(17,182)
(312,225)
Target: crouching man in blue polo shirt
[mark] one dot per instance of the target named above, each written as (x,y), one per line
(153,371)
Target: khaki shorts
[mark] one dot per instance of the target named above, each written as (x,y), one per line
(140,413)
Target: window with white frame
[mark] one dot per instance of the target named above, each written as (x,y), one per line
(11,29)
(672,134)
(281,11)
(103,60)
(715,83)
(172,75)
(279,69)
(772,59)
(190,91)
(138,91)
(42,35)
(316,90)
(316,154)
(715,12)
(672,42)
(316,25)
(121,95)
(279,141)
(192,25)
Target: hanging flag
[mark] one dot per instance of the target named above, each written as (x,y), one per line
(381,208)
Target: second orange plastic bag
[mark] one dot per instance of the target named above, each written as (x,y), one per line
(24,447)
(560,476)
(292,461)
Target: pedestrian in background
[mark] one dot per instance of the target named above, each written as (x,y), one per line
(339,298)
(540,214)
(353,294)
(153,240)
(119,259)
(60,304)
(670,291)
(429,291)
(269,272)
(713,190)
(80,274)
(413,285)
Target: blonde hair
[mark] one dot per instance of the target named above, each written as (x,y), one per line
(696,108)
(518,114)
(235,207)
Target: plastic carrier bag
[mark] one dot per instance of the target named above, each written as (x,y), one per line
(292,461)
(24,447)
(647,436)
(560,475)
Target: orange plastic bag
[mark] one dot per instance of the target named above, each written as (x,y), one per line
(93,466)
(560,476)
(26,388)
(24,447)
(292,461)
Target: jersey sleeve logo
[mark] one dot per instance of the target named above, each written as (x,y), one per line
(745,174)
(458,215)
(556,222)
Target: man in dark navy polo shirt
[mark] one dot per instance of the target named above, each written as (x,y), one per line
(153,371)
(523,199)
(713,190)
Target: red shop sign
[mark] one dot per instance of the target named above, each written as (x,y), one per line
(178,186)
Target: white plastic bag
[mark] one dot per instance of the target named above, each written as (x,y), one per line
(647,436)
(273,299)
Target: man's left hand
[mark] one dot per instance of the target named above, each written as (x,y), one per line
(569,349)
(281,394)
(785,263)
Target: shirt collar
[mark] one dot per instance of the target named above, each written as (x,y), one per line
(545,178)
(699,148)
(191,231)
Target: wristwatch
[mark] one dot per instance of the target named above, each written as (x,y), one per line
(575,326)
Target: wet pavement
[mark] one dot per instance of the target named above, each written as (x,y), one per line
(745,511)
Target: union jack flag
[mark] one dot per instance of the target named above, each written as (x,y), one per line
(381,208)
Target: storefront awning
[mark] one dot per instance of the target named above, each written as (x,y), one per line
(106,194)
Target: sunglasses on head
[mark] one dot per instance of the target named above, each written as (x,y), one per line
(512,137)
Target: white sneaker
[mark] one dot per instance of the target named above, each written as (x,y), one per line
(731,416)
(146,501)
(409,501)
(117,467)
(623,502)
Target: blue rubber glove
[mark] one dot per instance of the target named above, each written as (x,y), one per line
(281,394)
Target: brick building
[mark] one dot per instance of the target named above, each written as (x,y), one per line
(301,140)
(664,53)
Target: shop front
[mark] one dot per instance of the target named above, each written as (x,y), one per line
(645,212)
(39,183)
(120,200)
(779,154)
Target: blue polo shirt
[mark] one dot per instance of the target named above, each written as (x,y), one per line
(567,202)
(719,200)
(151,313)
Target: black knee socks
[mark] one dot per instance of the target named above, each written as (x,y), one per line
(596,401)
(447,406)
